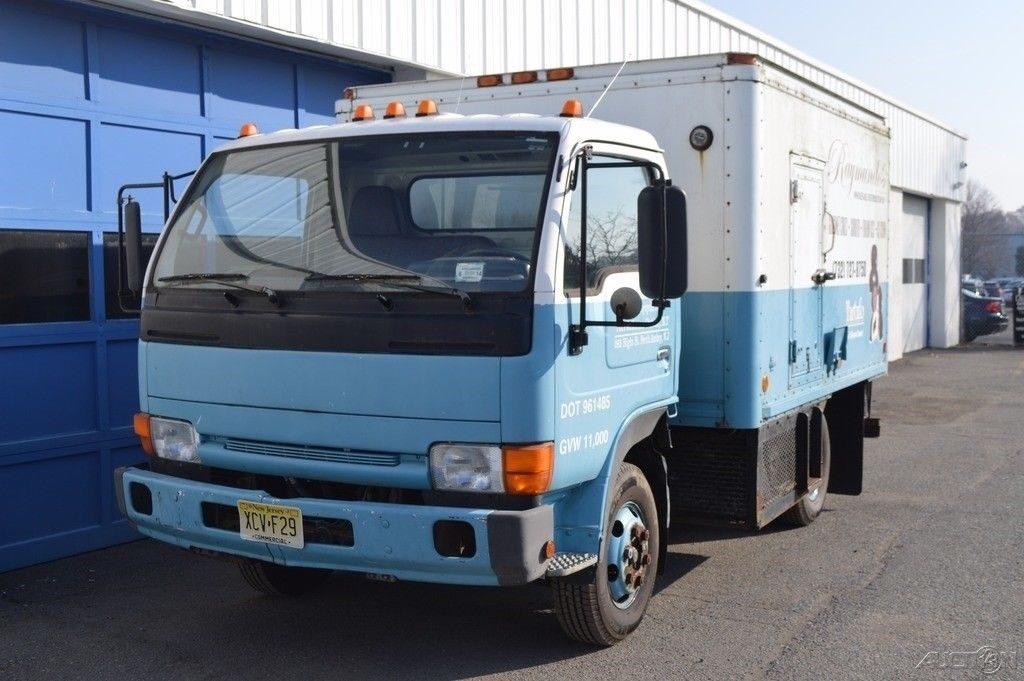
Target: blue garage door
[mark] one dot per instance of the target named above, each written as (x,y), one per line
(90,100)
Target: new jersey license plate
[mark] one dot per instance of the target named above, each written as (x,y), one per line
(270,523)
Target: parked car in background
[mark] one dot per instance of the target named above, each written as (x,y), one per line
(1009,285)
(993,288)
(983,315)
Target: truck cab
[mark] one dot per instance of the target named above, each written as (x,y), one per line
(425,347)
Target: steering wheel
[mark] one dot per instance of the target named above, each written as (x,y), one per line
(493,252)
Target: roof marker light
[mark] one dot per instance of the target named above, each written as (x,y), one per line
(248,130)
(394,110)
(362,112)
(741,58)
(524,77)
(427,107)
(560,74)
(490,81)
(572,108)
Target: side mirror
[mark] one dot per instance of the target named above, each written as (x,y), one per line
(134,266)
(661,242)
(626,303)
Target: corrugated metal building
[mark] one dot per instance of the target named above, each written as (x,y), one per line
(94,94)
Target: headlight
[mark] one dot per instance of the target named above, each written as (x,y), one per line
(466,468)
(174,440)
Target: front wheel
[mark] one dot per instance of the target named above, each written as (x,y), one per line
(281,580)
(608,608)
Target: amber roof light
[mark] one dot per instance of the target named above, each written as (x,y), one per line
(394,110)
(363,112)
(427,107)
(248,130)
(572,108)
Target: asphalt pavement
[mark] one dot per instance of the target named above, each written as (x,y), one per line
(926,566)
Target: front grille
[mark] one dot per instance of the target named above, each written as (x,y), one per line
(309,452)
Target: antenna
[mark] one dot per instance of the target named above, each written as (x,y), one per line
(458,100)
(606,88)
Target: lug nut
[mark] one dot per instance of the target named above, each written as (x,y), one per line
(638,581)
(645,561)
(645,535)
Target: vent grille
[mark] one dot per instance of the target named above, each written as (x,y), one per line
(709,474)
(310,453)
(778,466)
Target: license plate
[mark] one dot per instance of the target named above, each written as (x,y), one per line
(271,524)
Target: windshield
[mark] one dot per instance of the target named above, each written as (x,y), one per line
(460,210)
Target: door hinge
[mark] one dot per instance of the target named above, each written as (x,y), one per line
(792,352)
(794,191)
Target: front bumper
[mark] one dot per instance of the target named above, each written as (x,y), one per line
(389,539)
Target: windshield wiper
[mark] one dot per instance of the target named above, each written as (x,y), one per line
(225,279)
(400,280)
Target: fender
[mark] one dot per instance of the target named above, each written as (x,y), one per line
(581,516)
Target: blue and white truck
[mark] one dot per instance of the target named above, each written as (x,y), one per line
(471,334)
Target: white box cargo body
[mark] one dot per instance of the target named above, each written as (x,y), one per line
(788,219)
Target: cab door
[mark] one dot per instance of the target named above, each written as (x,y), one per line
(620,369)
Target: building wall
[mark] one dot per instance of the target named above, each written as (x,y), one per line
(90,100)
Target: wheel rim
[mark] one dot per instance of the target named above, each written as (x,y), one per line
(628,555)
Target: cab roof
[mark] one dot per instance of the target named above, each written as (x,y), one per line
(577,128)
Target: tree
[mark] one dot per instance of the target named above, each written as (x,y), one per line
(989,235)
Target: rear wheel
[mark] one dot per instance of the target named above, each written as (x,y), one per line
(281,580)
(606,609)
(808,508)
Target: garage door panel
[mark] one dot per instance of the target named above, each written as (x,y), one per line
(149,74)
(38,383)
(914,282)
(57,149)
(152,99)
(49,496)
(58,70)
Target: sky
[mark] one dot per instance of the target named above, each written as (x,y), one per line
(959,62)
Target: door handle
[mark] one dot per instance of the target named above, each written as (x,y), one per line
(663,354)
(821,276)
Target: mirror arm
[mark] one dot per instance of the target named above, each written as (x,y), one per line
(578,332)
(659,304)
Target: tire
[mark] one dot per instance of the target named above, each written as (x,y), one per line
(808,508)
(589,612)
(281,580)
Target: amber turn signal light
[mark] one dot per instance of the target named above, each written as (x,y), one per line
(572,108)
(528,468)
(141,424)
(427,107)
(248,130)
(363,112)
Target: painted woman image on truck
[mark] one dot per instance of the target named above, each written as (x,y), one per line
(876,297)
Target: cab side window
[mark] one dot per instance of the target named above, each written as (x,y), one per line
(611,223)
